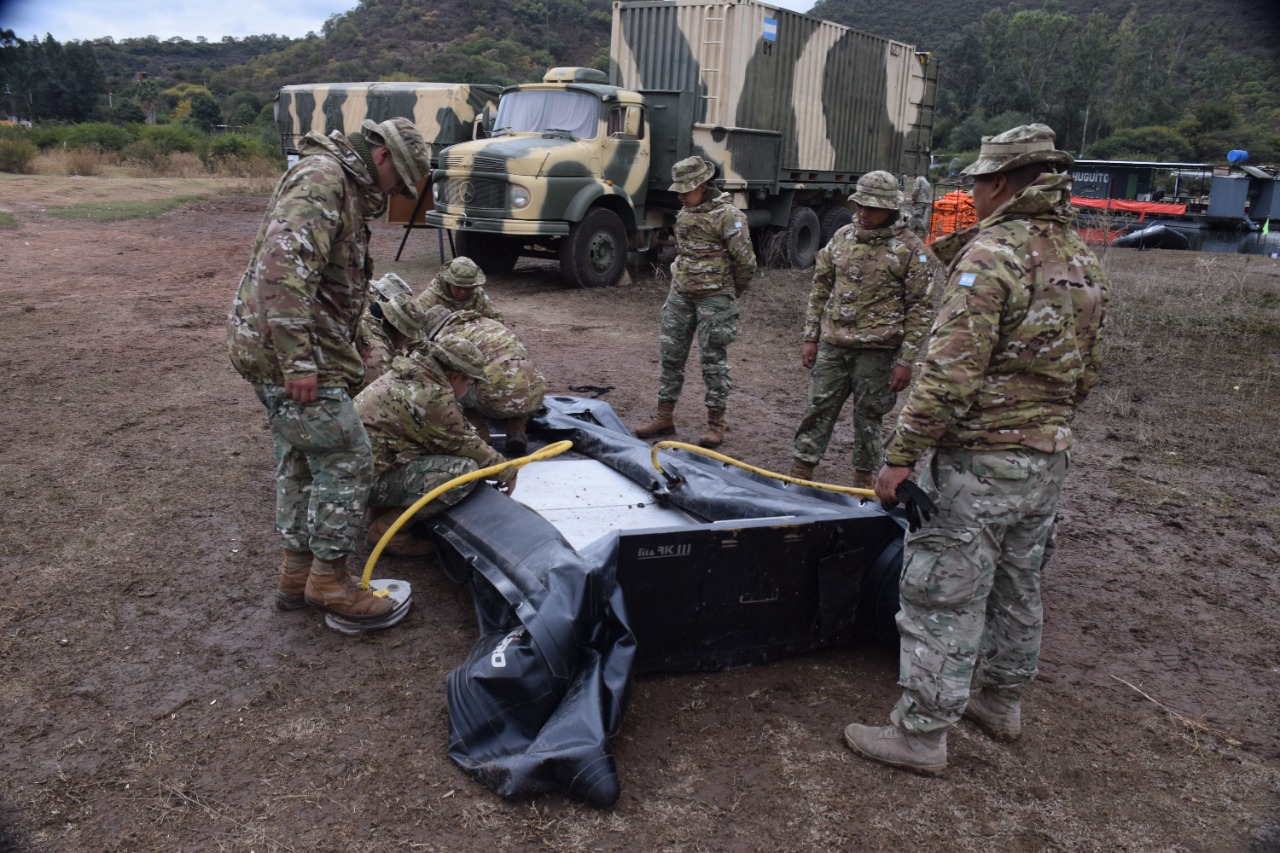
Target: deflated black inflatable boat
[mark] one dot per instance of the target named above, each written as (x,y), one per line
(602,567)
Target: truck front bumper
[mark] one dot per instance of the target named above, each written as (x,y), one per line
(515,227)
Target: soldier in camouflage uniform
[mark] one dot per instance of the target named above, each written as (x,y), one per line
(459,287)
(714,266)
(1016,348)
(871,303)
(420,437)
(291,333)
(400,324)
(372,340)
(920,204)
(513,388)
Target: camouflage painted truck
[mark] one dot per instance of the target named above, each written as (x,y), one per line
(446,113)
(791,109)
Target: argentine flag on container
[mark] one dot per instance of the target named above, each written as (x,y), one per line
(770,29)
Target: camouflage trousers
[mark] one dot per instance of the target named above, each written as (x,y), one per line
(402,485)
(324,468)
(714,320)
(514,392)
(837,373)
(970,589)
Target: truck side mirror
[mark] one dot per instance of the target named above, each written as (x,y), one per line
(483,124)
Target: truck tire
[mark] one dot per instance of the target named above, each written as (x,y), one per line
(801,238)
(493,253)
(594,254)
(832,219)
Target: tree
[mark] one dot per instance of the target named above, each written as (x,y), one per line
(147,94)
(205,113)
(1033,54)
(1090,56)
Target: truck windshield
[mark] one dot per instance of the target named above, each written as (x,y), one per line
(575,113)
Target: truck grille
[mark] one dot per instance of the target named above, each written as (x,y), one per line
(473,193)
(480,164)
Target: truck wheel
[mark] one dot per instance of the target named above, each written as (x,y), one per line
(802,234)
(833,218)
(495,254)
(595,252)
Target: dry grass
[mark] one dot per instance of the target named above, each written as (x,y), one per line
(176,165)
(1192,359)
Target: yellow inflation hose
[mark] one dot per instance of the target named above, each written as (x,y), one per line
(545,453)
(729,460)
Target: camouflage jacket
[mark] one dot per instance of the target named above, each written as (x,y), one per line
(300,300)
(873,290)
(921,196)
(1016,345)
(375,347)
(513,385)
(713,250)
(410,412)
(479,302)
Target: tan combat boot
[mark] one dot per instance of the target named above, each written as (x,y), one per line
(999,717)
(801,470)
(663,424)
(330,588)
(925,754)
(293,580)
(403,544)
(715,429)
(864,480)
(517,441)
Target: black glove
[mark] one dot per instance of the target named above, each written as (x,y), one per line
(918,506)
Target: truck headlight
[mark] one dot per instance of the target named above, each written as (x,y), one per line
(435,191)
(519,197)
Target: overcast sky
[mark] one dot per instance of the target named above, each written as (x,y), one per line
(66,20)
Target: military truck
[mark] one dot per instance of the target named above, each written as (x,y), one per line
(445,112)
(790,109)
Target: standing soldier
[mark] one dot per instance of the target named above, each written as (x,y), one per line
(513,387)
(1016,349)
(291,333)
(713,267)
(459,287)
(871,303)
(921,206)
(420,437)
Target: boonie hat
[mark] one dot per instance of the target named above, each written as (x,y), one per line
(437,316)
(455,353)
(461,272)
(690,173)
(389,286)
(1019,146)
(877,189)
(406,315)
(409,151)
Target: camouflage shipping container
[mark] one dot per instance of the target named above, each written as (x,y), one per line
(791,110)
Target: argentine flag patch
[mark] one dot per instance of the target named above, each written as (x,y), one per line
(770,29)
(967,279)
(923,259)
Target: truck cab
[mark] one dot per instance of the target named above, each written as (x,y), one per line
(564,173)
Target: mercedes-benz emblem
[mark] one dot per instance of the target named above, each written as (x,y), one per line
(468,192)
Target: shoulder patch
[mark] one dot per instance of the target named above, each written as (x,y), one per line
(967,279)
(924,259)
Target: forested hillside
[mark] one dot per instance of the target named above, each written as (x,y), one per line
(1156,79)
(1173,79)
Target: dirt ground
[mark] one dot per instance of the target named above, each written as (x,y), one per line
(152,699)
